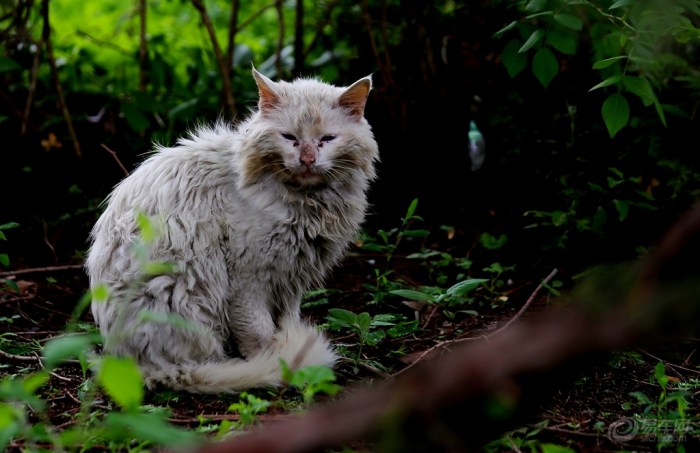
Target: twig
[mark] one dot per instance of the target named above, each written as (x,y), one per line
(232,32)
(445,343)
(527,304)
(143,47)
(45,227)
(58,376)
(116,158)
(46,37)
(31,90)
(280,37)
(19,358)
(667,362)
(299,39)
(37,270)
(218,54)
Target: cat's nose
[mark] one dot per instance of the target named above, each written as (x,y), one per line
(307,156)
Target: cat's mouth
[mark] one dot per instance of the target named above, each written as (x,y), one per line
(306,180)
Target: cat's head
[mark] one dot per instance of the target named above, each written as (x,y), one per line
(309,135)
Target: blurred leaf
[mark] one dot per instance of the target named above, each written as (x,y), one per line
(512,59)
(641,87)
(121,380)
(616,113)
(565,41)
(63,348)
(533,40)
(534,6)
(465,286)
(569,21)
(8,64)
(412,295)
(607,82)
(545,66)
(600,64)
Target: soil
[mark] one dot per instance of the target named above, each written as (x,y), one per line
(579,411)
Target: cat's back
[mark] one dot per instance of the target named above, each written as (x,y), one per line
(192,175)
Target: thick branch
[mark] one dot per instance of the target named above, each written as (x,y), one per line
(143,47)
(46,37)
(221,61)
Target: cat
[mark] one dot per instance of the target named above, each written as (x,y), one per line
(252,215)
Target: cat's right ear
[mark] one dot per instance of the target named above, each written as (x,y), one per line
(266,89)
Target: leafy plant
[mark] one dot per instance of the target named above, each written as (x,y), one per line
(366,327)
(632,47)
(5,259)
(311,380)
(386,244)
(665,419)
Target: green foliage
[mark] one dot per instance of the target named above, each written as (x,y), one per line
(387,244)
(248,407)
(634,47)
(311,380)
(5,259)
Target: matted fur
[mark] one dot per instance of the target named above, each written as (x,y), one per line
(252,216)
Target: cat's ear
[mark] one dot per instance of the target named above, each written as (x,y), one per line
(354,97)
(266,89)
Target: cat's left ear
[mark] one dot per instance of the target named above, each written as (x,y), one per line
(354,97)
(266,89)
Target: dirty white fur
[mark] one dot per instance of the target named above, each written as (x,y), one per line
(252,217)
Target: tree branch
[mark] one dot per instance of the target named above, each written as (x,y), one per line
(218,55)
(46,37)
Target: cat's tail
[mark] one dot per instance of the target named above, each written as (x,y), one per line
(299,345)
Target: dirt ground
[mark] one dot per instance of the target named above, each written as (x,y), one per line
(579,411)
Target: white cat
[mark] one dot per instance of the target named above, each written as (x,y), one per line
(252,216)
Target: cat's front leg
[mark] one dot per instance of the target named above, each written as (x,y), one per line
(252,325)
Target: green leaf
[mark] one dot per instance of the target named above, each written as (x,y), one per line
(341,317)
(146,227)
(416,233)
(569,21)
(8,64)
(465,286)
(616,113)
(99,293)
(413,295)
(411,209)
(62,348)
(534,6)
(621,4)
(565,41)
(121,380)
(508,27)
(641,87)
(660,374)
(607,82)
(9,225)
(545,66)
(623,208)
(533,40)
(556,448)
(660,112)
(512,59)
(150,427)
(558,218)
(600,64)
(5,259)
(136,119)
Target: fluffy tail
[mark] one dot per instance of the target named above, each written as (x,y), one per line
(299,345)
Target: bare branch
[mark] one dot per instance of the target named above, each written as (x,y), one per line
(218,55)
(46,37)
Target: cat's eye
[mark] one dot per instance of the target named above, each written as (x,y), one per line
(327,138)
(289,137)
